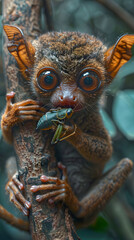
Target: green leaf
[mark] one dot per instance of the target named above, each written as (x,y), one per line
(123,112)
(108,123)
(101,225)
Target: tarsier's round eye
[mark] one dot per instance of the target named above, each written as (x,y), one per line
(89,80)
(47,79)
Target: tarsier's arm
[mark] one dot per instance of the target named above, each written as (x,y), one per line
(93,147)
(96,149)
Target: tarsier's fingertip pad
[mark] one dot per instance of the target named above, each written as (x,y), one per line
(21,186)
(10,95)
(44,178)
(33,188)
(38,198)
(61,166)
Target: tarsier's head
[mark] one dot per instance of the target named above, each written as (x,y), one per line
(68,69)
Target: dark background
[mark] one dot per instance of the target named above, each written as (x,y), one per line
(117,220)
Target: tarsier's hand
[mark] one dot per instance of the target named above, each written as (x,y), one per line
(19,112)
(60,190)
(14,188)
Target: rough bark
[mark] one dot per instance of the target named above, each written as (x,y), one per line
(35,155)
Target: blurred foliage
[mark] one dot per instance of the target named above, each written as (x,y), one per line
(118,114)
(123,112)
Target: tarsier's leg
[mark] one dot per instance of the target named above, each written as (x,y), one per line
(19,112)
(94,201)
(102,191)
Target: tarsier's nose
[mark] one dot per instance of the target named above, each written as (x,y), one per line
(67,101)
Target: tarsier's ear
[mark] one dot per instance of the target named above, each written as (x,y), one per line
(22,50)
(119,54)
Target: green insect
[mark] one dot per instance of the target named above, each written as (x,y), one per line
(55,119)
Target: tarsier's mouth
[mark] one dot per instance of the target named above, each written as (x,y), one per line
(75,108)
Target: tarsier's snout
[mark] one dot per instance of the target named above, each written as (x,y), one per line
(68,99)
(69,102)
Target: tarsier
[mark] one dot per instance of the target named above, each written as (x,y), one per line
(69,70)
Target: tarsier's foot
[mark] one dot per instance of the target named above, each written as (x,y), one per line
(19,112)
(13,187)
(60,190)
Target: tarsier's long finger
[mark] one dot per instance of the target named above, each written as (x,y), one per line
(45,179)
(26,102)
(60,197)
(18,196)
(29,117)
(16,203)
(40,198)
(17,182)
(30,112)
(32,107)
(35,188)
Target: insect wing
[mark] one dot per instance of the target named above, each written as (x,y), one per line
(45,121)
(42,122)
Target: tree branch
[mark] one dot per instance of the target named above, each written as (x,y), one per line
(48,14)
(35,155)
(119,11)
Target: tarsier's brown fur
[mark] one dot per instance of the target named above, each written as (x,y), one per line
(67,53)
(85,153)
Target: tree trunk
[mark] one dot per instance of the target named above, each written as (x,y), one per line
(35,155)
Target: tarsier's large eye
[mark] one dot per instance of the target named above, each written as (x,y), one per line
(47,79)
(89,80)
